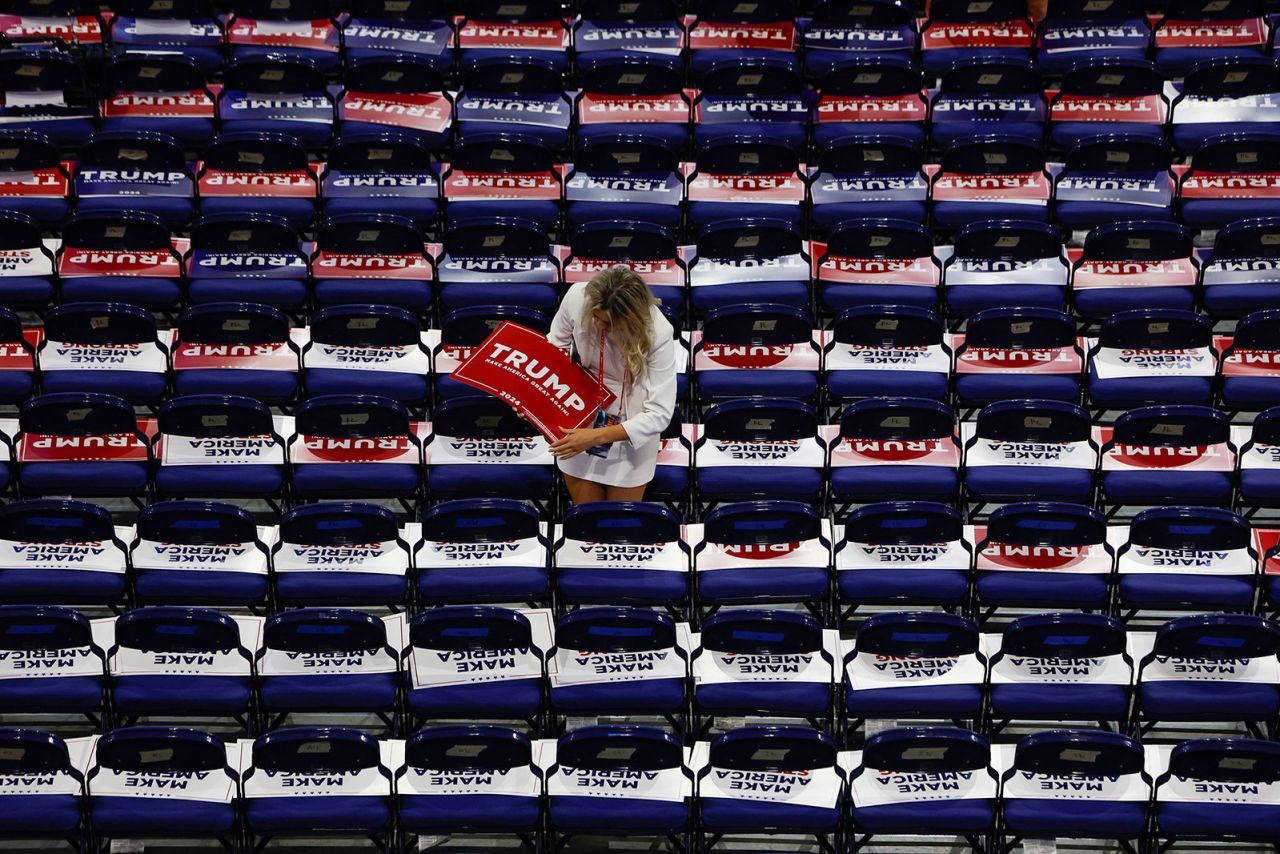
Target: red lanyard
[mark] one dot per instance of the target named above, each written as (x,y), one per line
(626,375)
(600,375)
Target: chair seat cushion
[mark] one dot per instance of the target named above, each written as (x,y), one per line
(345,692)
(350,480)
(121,816)
(422,211)
(730,586)
(941,702)
(1104,302)
(978,390)
(545,212)
(1060,702)
(280,293)
(783,699)
(1084,215)
(742,483)
(1218,820)
(66,694)
(1239,300)
(580,814)
(1068,590)
(852,385)
(1208,701)
(905,586)
(1067,134)
(622,586)
(302,589)
(967,817)
(507,699)
(1186,592)
(412,295)
(181,695)
(802,385)
(25,292)
(251,481)
(63,586)
(466,481)
(646,697)
(150,292)
(207,587)
(956,214)
(1215,213)
(862,484)
(270,387)
(441,814)
(1167,487)
(496,584)
(1251,392)
(455,295)
(665,215)
(1084,818)
(707,297)
(730,815)
(970,299)
(403,387)
(1043,483)
(670,483)
(317,814)
(1260,487)
(703,213)
(837,298)
(1130,392)
(38,815)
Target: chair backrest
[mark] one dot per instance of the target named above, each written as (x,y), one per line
(1047,421)
(621,523)
(151,749)
(889,326)
(255,151)
(1227,760)
(32,69)
(729,11)
(1117,153)
(989,74)
(627,11)
(772,76)
(233,323)
(1190,529)
(747,238)
(468,748)
(1020,328)
(1139,240)
(747,154)
(32,627)
(196,523)
(55,520)
(614,630)
(1112,77)
(623,240)
(114,231)
(630,74)
(757,632)
(1248,152)
(992,154)
(19,231)
(1078,752)
(1065,635)
(872,15)
(471,627)
(351,416)
(934,749)
(870,155)
(757,324)
(135,150)
(177,630)
(1232,77)
(303,750)
(365,326)
(255,233)
(1075,10)
(1172,426)
(773,748)
(479,416)
(502,153)
(379,151)
(76,414)
(1266,427)
(918,634)
(275,73)
(761,419)
(897,419)
(1007,240)
(1218,637)
(32,751)
(370,234)
(470,326)
(511,75)
(408,11)
(338,523)
(147,72)
(392,74)
(1156,329)
(624,154)
(1046,523)
(495,237)
(480,520)
(903,523)
(99,323)
(215,416)
(619,747)
(960,11)
(762,523)
(324,630)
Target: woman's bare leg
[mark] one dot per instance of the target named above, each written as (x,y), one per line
(625,493)
(582,491)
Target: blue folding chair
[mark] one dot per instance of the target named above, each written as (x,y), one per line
(483,550)
(1129,363)
(1044,554)
(465,329)
(646,247)
(1105,797)
(1227,179)
(863,175)
(480,168)
(1110,177)
(135,773)
(255,173)
(480,447)
(722,28)
(134,30)
(961,28)
(280,94)
(651,28)
(174,662)
(1259,478)
(1031,449)
(341,553)
(751,95)
(47,91)
(355,446)
(990,176)
(757,448)
(473,662)
(761,552)
(745,175)
(1104,94)
(198,553)
(1003,263)
(136,170)
(1118,32)
(895,448)
(361,671)
(794,760)
(469,778)
(1141,264)
(26,279)
(888,100)
(219,446)
(1187,559)
(53,664)
(400,92)
(1243,273)
(957,761)
(103,347)
(837,34)
(879,351)
(902,553)
(624,169)
(1190,33)
(630,92)
(235,348)
(506,91)
(623,553)
(17,375)
(359,348)
(755,662)
(1056,667)
(119,256)
(1210,667)
(872,263)
(759,260)
(1015,352)
(1197,114)
(989,93)
(647,670)
(586,757)
(371,258)
(497,260)
(914,665)
(253,32)
(541,31)
(756,349)
(315,782)
(1185,807)
(164,92)
(87,444)
(1169,455)
(417,27)
(243,257)
(383,171)
(43,794)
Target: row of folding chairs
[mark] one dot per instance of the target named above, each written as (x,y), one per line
(755,553)
(492,663)
(634,781)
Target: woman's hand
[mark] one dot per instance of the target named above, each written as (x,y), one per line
(576,441)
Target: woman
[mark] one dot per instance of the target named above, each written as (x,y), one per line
(613,320)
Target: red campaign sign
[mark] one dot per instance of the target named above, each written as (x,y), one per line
(175,105)
(108,448)
(1264,540)
(1031,186)
(1225,185)
(311,35)
(496,185)
(424,111)
(995,360)
(75,261)
(1146,109)
(295,184)
(536,378)
(1247,363)
(1202,34)
(15,357)
(895,108)
(529,35)
(977,34)
(329,265)
(1029,557)
(633,109)
(83,29)
(663,272)
(51,183)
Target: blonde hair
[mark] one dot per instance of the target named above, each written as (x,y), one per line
(626,299)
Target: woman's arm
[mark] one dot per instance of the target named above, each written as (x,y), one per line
(566,319)
(660,402)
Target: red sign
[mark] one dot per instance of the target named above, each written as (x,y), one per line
(536,378)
